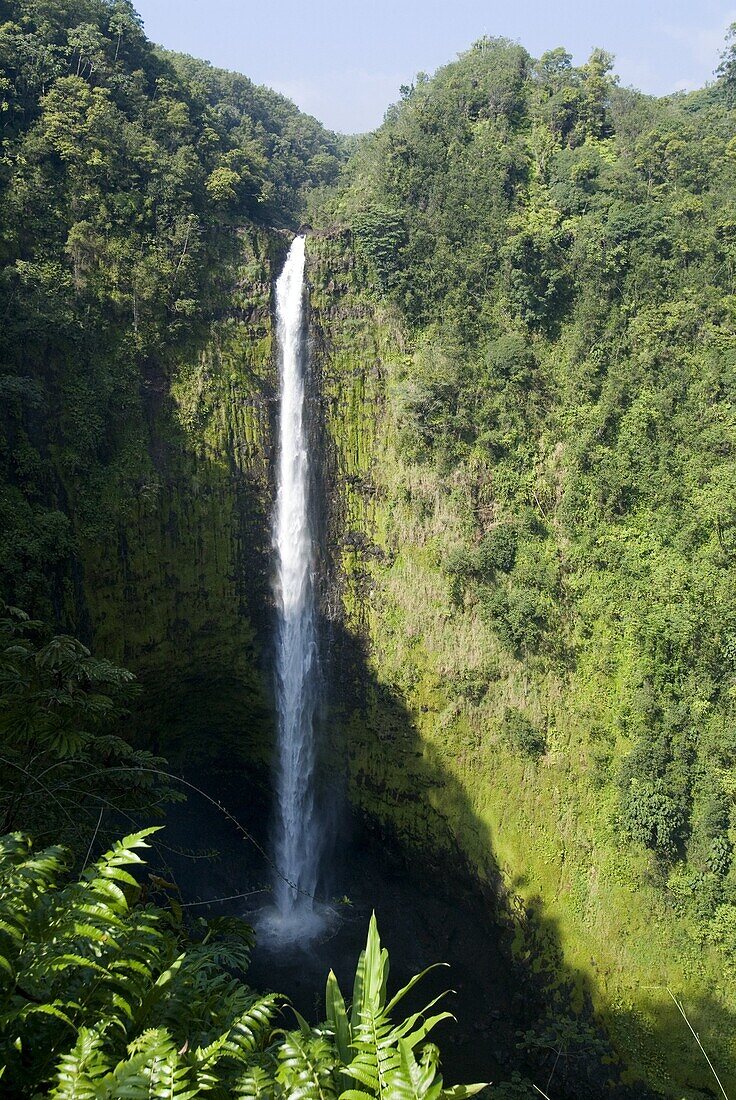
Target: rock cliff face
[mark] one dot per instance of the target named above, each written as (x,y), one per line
(180,591)
(420,690)
(417,687)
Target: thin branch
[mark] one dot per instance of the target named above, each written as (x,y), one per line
(230,897)
(218,805)
(20,768)
(554,1067)
(94,838)
(697,1040)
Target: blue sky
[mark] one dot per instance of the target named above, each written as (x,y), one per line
(345,61)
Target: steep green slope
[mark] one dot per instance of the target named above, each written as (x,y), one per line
(138,195)
(529,335)
(524,329)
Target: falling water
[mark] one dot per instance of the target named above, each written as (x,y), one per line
(297,839)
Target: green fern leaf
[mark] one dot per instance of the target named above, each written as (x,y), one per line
(337,1018)
(463,1092)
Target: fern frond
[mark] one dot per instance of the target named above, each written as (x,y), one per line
(251,1029)
(152,1071)
(307,1067)
(82,1067)
(257,1083)
(412,1080)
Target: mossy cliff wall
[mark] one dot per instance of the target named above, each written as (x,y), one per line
(179,588)
(421,687)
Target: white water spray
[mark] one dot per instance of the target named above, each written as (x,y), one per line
(298,836)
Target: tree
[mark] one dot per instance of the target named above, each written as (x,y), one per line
(65,766)
(726,70)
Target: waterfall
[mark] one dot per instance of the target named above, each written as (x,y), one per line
(297,832)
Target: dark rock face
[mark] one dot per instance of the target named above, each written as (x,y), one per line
(182,592)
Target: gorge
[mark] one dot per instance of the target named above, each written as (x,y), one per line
(521,342)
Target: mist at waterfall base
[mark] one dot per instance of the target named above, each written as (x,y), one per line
(425,914)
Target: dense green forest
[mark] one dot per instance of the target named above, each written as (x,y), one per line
(127,175)
(525,283)
(563,253)
(555,255)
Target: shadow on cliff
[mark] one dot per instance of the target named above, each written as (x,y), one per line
(519,1005)
(417,806)
(520,1008)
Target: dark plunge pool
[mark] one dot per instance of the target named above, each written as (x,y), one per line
(509,1024)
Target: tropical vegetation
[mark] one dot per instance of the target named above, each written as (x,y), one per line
(560,253)
(104,994)
(525,282)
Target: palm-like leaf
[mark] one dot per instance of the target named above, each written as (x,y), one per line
(337,1018)
(383,1060)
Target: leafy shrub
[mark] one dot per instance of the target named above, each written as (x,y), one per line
(427,399)
(655,781)
(709,847)
(380,234)
(539,287)
(471,684)
(720,856)
(459,570)
(63,761)
(518,1088)
(652,814)
(574,1052)
(497,551)
(510,357)
(519,617)
(521,734)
